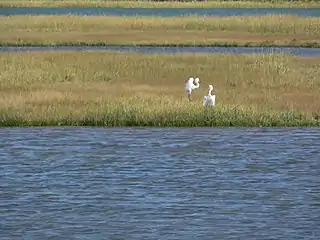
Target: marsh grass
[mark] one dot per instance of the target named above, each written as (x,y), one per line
(118,116)
(155,4)
(264,30)
(132,89)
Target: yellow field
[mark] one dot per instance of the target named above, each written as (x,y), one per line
(117,89)
(103,30)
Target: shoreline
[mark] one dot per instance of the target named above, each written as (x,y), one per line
(283,119)
(147,4)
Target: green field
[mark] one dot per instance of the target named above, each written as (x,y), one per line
(135,89)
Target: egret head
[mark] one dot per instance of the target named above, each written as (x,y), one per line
(197,80)
(210,87)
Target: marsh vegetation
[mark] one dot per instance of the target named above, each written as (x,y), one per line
(130,89)
(266,30)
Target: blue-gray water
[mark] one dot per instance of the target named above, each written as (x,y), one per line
(164,12)
(160,183)
(153,49)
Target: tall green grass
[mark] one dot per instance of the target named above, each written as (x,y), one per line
(159,4)
(134,89)
(124,114)
(266,30)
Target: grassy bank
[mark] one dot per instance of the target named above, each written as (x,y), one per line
(153,4)
(269,30)
(134,89)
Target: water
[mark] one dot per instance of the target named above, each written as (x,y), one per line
(160,183)
(154,49)
(163,12)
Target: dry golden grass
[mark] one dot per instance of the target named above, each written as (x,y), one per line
(110,88)
(264,30)
(154,4)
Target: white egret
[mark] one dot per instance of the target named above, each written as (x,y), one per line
(209,100)
(191,86)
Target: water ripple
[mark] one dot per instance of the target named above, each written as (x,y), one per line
(160,183)
(298,51)
(163,12)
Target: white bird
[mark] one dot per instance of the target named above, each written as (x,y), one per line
(191,86)
(209,100)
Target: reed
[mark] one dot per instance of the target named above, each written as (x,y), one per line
(134,89)
(266,30)
(160,4)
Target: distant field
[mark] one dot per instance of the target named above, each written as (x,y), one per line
(134,89)
(268,30)
(154,4)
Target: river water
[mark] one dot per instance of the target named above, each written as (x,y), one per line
(187,49)
(163,12)
(160,183)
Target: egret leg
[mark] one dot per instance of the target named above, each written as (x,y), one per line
(189,97)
